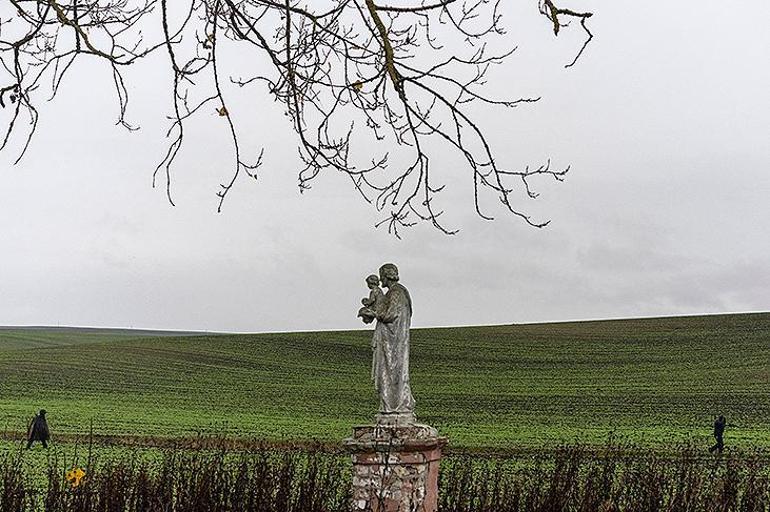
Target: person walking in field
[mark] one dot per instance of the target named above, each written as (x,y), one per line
(719,430)
(38,430)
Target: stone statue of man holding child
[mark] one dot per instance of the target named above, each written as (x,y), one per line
(390,344)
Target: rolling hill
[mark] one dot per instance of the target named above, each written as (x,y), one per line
(652,380)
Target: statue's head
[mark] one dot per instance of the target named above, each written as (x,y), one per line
(372,280)
(388,274)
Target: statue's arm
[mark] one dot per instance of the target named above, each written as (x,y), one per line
(371,300)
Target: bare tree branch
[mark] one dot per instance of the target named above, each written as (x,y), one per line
(351,75)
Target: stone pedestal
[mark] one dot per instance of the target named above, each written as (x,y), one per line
(395,466)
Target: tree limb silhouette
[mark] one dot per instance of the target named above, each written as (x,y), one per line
(343,71)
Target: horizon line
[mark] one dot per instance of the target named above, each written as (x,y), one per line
(195,332)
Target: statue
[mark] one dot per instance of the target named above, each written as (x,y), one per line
(395,460)
(390,343)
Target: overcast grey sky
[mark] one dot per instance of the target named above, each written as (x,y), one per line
(665,122)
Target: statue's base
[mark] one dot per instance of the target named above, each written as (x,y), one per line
(396,419)
(395,466)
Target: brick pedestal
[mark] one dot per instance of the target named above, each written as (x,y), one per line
(395,467)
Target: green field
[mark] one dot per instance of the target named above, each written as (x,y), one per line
(653,381)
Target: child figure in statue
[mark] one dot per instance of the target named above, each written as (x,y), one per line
(372,304)
(369,312)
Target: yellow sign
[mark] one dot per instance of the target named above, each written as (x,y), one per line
(74,476)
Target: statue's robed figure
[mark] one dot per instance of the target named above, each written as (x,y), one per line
(391,346)
(396,459)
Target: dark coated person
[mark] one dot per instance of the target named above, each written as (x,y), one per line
(719,431)
(38,430)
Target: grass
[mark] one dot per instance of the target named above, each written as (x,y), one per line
(34,338)
(652,381)
(264,480)
(571,478)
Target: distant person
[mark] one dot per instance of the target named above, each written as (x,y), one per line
(719,431)
(38,430)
